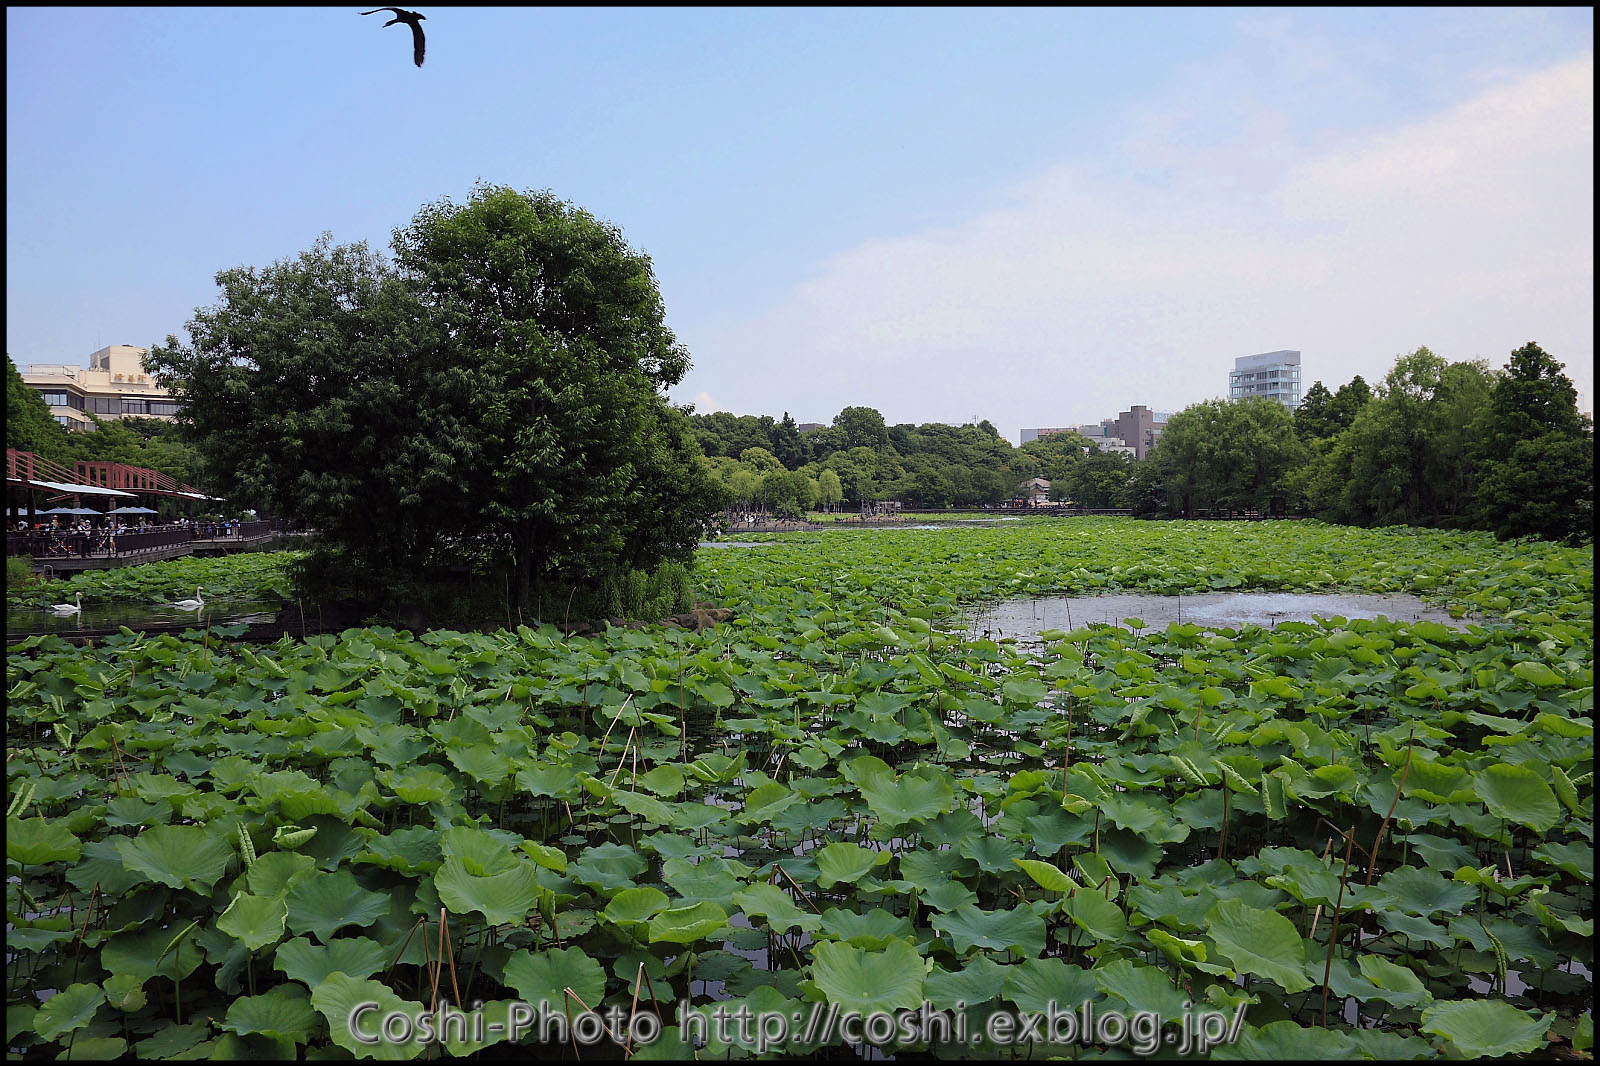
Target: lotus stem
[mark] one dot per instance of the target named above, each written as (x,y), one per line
(1333,934)
(1372,859)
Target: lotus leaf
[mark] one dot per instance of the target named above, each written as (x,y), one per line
(301,960)
(322,903)
(284,1012)
(1019,929)
(978,981)
(149,952)
(255,921)
(541,976)
(1095,915)
(68,1010)
(1035,984)
(178,856)
(1486,1028)
(857,979)
(773,904)
(1519,795)
(685,925)
(1259,941)
(1142,988)
(1287,1041)
(910,797)
(845,863)
(338,996)
(632,906)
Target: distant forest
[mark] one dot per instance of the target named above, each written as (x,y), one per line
(1435,443)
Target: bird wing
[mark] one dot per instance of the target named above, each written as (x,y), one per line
(375,10)
(418,44)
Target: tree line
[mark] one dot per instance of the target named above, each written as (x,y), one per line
(1435,443)
(858,460)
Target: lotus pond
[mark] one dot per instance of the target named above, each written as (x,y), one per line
(1375,836)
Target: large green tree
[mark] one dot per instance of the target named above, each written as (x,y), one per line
(29,425)
(1536,471)
(1409,456)
(1230,455)
(499,389)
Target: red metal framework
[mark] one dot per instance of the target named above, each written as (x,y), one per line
(24,469)
(130,479)
(25,466)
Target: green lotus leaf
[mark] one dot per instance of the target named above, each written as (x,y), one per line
(555,781)
(775,905)
(337,998)
(910,797)
(1259,941)
(685,925)
(412,850)
(1287,1041)
(1403,987)
(632,906)
(32,841)
(1035,984)
(125,992)
(979,981)
(546,856)
(508,896)
(148,952)
(541,976)
(301,960)
(460,1040)
(608,867)
(1538,674)
(857,979)
(67,1010)
(948,895)
(419,784)
(1095,914)
(1424,892)
(96,1048)
(845,863)
(1486,1028)
(283,1012)
(992,854)
(178,856)
(485,763)
(1576,859)
(664,781)
(255,921)
(274,873)
(714,878)
(323,903)
(1019,929)
(1519,795)
(1046,875)
(867,929)
(172,1041)
(1142,988)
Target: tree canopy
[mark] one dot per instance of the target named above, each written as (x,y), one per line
(497,391)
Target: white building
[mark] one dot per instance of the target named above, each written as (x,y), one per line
(113,385)
(1271,375)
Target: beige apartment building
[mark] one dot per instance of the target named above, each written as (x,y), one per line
(114,385)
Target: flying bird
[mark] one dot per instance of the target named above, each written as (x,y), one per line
(412,19)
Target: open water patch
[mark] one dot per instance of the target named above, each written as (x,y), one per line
(1025,619)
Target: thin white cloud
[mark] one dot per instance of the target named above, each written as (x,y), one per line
(1138,278)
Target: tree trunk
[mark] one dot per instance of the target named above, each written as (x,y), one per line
(523,537)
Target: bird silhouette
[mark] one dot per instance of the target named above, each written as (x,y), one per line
(412,19)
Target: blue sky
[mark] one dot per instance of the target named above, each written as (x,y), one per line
(1034,216)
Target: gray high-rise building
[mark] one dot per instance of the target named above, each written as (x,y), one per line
(1271,375)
